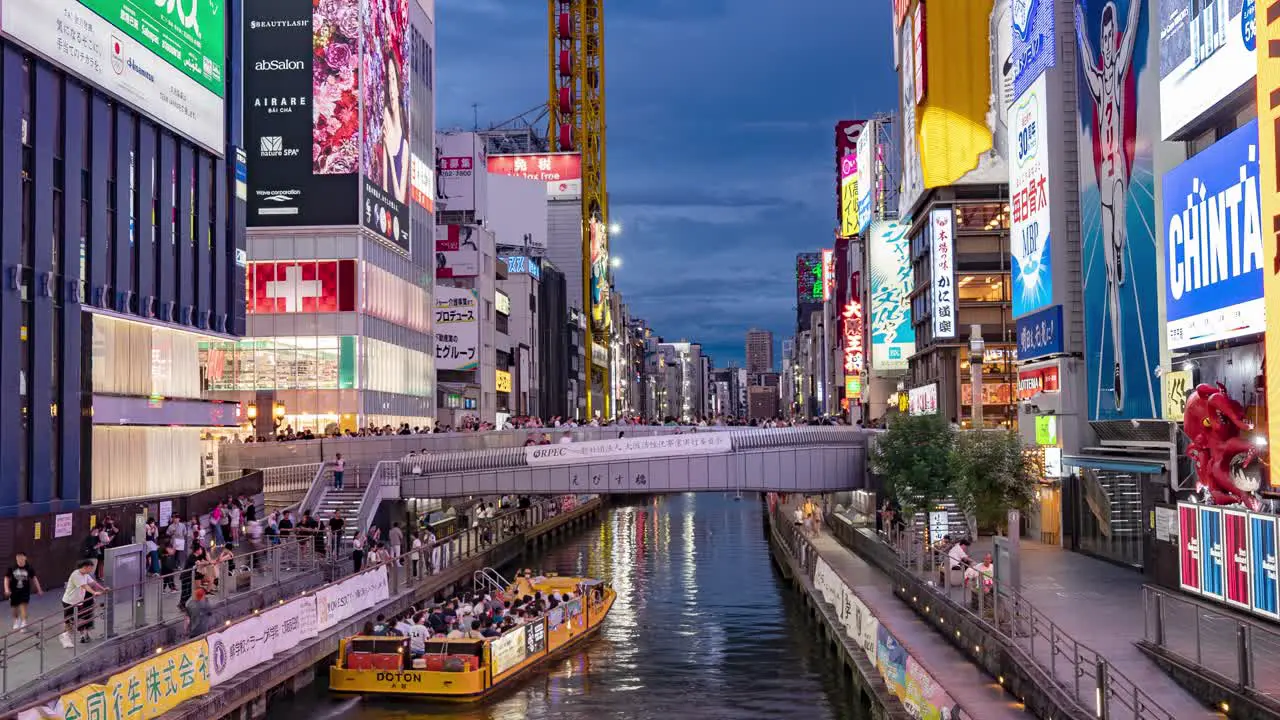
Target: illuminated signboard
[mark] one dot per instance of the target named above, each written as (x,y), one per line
(501,302)
(852,387)
(809,278)
(853,353)
(828,273)
(944,255)
(1268,29)
(302,286)
(521,265)
(1034,382)
(502,381)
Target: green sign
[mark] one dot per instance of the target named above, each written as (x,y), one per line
(188,34)
(1046,430)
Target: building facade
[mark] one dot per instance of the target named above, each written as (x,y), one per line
(759,351)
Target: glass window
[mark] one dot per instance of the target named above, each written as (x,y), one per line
(983,288)
(1109,508)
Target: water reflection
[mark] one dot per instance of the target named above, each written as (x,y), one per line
(702,628)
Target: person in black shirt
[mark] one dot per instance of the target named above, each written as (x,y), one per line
(312,527)
(17,587)
(335,530)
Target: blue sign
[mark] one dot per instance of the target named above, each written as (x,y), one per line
(1034,50)
(1117,126)
(1040,334)
(1213,243)
(523,265)
(1264,590)
(1211,560)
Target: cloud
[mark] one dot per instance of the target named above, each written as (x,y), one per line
(720,139)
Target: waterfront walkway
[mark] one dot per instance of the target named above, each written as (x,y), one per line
(979,695)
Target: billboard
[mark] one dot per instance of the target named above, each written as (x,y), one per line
(562,172)
(851,326)
(1117,126)
(1031,265)
(422,183)
(457,251)
(1264,590)
(1235,538)
(457,324)
(306,286)
(1211,559)
(460,180)
(1034,48)
(1213,243)
(1040,334)
(923,400)
(521,265)
(165,59)
(1207,52)
(847,134)
(893,339)
(911,184)
(1229,555)
(301,118)
(1269,199)
(828,274)
(849,223)
(1189,548)
(942,287)
(601,313)
(809,279)
(384,147)
(867,181)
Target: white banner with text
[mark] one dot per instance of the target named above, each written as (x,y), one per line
(708,443)
(338,602)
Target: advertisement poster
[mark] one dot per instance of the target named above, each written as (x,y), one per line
(809,279)
(912,180)
(893,339)
(848,132)
(943,286)
(1117,125)
(308,286)
(1031,253)
(164,59)
(867,180)
(1207,52)
(457,324)
(384,153)
(1213,243)
(1034,47)
(301,118)
(1235,537)
(422,183)
(1189,547)
(1264,584)
(891,661)
(849,223)
(601,313)
(144,691)
(925,698)
(1040,334)
(562,172)
(457,251)
(507,651)
(1211,557)
(923,400)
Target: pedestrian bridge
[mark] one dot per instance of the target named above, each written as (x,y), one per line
(804,459)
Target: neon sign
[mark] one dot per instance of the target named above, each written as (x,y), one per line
(828,273)
(853,351)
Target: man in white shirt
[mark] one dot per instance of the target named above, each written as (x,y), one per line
(418,635)
(958,555)
(77,603)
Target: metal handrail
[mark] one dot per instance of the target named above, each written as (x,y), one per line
(285,478)
(1006,613)
(129,607)
(1252,644)
(385,474)
(489,580)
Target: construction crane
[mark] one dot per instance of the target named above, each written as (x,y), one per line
(576,105)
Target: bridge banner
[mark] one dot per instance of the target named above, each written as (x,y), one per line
(337,602)
(708,443)
(859,623)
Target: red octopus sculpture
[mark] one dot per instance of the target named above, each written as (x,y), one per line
(1228,466)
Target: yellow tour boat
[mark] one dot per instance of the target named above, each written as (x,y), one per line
(468,670)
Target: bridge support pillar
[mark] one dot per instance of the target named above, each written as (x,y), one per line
(299,683)
(256,709)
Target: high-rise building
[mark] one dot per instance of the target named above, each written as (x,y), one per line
(340,215)
(759,351)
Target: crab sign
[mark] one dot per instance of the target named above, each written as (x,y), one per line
(1228,466)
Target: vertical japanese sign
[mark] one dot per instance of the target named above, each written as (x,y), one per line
(1029,188)
(457,324)
(893,338)
(1235,530)
(1034,47)
(1264,590)
(1189,547)
(1211,560)
(943,280)
(828,273)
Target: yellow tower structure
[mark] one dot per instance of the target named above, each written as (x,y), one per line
(576,105)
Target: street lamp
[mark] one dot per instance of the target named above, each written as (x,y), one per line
(615,261)
(977,350)
(615,228)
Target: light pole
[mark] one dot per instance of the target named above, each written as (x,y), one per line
(977,349)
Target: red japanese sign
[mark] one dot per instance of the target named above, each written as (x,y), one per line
(1033,382)
(853,351)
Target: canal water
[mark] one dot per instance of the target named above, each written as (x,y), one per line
(703,628)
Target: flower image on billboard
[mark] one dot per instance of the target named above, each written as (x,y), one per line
(385,144)
(1213,237)
(1117,123)
(1207,52)
(302,112)
(893,339)
(1029,189)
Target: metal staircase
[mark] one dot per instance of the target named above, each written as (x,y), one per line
(344,502)
(489,582)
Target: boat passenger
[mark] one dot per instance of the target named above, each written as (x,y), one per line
(474,633)
(418,638)
(489,630)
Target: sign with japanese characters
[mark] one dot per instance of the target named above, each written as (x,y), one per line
(457,251)
(1029,237)
(562,172)
(507,651)
(1038,380)
(859,623)
(145,691)
(944,276)
(457,323)
(1040,334)
(628,449)
(339,601)
(259,638)
(828,274)
(852,326)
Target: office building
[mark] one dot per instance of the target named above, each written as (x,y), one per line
(759,351)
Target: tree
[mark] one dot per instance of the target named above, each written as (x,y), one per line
(993,475)
(914,458)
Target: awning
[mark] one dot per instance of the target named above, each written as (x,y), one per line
(1113,463)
